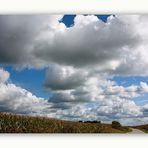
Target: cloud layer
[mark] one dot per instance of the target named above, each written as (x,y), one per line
(38,41)
(81,61)
(82,103)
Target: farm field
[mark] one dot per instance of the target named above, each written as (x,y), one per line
(10,123)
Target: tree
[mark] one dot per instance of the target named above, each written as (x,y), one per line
(116,124)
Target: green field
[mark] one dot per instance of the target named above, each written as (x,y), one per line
(10,123)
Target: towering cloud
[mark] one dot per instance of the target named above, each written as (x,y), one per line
(117,46)
(40,40)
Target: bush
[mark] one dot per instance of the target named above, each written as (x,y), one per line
(116,124)
(94,121)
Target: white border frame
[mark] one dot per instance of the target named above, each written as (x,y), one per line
(72,7)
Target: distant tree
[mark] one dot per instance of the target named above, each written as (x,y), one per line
(99,122)
(80,121)
(94,121)
(116,124)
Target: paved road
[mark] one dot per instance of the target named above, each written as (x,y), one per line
(136,131)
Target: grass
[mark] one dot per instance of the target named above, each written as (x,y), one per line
(10,123)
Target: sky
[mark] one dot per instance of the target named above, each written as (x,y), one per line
(75,67)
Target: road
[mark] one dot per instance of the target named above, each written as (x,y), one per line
(135,131)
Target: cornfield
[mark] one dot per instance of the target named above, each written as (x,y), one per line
(10,123)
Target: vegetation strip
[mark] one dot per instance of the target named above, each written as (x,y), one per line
(10,123)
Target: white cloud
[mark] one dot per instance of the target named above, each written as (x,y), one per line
(127,92)
(18,100)
(64,77)
(19,34)
(101,101)
(89,42)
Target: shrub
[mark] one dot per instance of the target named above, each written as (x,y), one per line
(94,121)
(116,124)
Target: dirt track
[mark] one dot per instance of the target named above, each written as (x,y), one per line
(136,131)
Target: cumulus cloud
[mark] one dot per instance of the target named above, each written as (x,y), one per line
(127,92)
(40,40)
(18,34)
(64,78)
(18,100)
(116,47)
(90,42)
